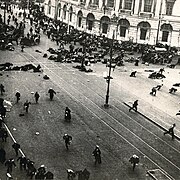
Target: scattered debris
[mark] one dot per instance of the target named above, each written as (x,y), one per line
(38,51)
(45,77)
(37,133)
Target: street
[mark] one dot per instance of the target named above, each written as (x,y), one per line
(118,132)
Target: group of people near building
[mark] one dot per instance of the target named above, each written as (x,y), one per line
(57,31)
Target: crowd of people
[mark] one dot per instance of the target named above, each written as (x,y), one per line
(57,31)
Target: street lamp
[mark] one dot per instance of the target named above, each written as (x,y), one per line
(159,23)
(108,78)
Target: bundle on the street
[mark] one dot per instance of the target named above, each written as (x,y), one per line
(156,75)
(9,67)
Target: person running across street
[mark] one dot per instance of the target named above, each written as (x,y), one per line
(171,131)
(134,106)
(67,140)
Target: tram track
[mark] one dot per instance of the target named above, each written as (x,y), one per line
(113,129)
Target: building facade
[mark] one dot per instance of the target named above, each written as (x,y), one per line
(141,21)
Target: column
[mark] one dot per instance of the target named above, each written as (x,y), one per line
(117,4)
(100,4)
(123,4)
(87,3)
(142,6)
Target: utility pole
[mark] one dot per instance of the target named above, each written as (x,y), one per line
(5,8)
(108,79)
(159,23)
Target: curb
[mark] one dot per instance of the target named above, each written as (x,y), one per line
(161,127)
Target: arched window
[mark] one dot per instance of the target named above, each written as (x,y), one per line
(144,28)
(104,24)
(166,30)
(49,7)
(79,18)
(123,27)
(90,21)
(70,13)
(64,11)
(59,10)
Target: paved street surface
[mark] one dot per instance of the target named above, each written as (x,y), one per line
(118,132)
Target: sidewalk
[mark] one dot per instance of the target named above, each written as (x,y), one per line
(162,108)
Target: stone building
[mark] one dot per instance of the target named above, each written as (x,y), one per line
(141,21)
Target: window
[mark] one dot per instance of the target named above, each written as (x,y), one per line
(124,25)
(169,8)
(49,10)
(90,25)
(165,35)
(120,4)
(122,31)
(143,33)
(96,2)
(83,1)
(128,4)
(105,20)
(59,10)
(64,13)
(49,7)
(144,28)
(110,3)
(148,5)
(90,21)
(70,14)
(104,28)
(79,21)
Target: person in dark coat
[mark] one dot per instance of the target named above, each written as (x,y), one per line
(1,122)
(134,160)
(159,86)
(4,134)
(36,95)
(22,162)
(31,170)
(51,93)
(67,140)
(49,175)
(2,89)
(40,173)
(133,74)
(2,155)
(18,95)
(97,154)
(67,114)
(134,106)
(10,163)
(153,91)
(16,147)
(171,131)
(26,105)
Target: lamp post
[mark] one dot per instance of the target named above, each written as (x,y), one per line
(5,12)
(108,78)
(159,23)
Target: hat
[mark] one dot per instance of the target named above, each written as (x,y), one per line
(135,156)
(42,165)
(97,146)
